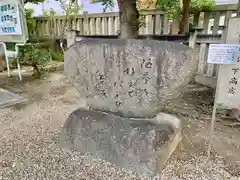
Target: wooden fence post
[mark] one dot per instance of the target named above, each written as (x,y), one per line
(165,24)
(193,38)
(158,24)
(175,25)
(216,23)
(85,23)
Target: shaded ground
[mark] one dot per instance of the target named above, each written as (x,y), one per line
(28,148)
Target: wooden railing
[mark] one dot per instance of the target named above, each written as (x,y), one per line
(211,28)
(153,22)
(156,22)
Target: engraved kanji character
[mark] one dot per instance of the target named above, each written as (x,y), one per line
(116,95)
(148,64)
(127,71)
(103,93)
(130,93)
(118,103)
(143,61)
(231,90)
(233,80)
(146,92)
(235,70)
(130,83)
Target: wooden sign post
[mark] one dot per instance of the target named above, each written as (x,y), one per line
(227,94)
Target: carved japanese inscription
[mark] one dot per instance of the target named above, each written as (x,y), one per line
(129,76)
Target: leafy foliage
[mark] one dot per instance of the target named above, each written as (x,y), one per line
(34,1)
(36,56)
(107,4)
(174,7)
(69,9)
(31,22)
(202,5)
(10,46)
(57,55)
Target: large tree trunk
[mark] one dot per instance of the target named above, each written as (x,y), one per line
(196,19)
(129,15)
(184,26)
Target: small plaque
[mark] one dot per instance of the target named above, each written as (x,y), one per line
(223,53)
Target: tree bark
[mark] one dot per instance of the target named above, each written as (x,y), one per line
(196,19)
(129,15)
(36,71)
(184,26)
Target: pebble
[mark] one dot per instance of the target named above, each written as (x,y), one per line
(29,149)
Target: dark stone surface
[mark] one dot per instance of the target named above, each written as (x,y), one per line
(137,145)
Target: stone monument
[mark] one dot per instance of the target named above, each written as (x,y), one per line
(126,84)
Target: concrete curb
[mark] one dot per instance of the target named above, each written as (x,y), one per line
(16,99)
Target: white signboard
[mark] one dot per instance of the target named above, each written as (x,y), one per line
(10,22)
(223,53)
(228,85)
(228,93)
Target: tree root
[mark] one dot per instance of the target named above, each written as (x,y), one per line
(223,119)
(236,124)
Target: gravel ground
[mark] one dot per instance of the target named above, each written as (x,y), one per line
(29,149)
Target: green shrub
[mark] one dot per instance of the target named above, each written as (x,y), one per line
(57,55)
(35,55)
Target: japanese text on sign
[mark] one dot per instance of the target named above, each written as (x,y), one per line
(233,81)
(223,53)
(229,84)
(10,18)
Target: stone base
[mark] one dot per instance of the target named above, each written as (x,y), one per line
(140,145)
(8,99)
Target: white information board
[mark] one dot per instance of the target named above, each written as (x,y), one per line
(223,53)
(13,26)
(228,84)
(10,22)
(228,93)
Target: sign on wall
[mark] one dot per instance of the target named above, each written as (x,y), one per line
(10,18)
(13,27)
(223,53)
